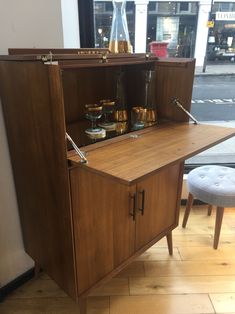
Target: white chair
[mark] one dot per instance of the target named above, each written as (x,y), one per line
(214,185)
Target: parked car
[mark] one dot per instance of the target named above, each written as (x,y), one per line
(220,52)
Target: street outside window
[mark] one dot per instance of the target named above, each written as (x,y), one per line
(175,24)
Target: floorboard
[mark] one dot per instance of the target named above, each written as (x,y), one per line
(196,280)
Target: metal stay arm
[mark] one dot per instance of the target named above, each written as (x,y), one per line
(80,153)
(176,102)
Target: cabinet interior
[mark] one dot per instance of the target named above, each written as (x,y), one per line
(83,86)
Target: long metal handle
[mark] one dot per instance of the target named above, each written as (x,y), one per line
(80,153)
(142,201)
(133,212)
(178,104)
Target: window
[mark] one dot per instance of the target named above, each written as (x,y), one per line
(225,7)
(103,11)
(152,7)
(184,6)
(174,23)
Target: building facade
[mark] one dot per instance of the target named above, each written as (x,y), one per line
(183,26)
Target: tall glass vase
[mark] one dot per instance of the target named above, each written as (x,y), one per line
(149,101)
(120,114)
(119,36)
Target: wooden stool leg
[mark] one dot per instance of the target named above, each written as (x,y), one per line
(187,210)
(209,210)
(218,223)
(169,243)
(82,303)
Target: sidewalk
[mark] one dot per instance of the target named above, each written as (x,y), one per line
(216,69)
(221,153)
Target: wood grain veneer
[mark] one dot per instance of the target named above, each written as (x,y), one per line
(133,158)
(161,199)
(174,80)
(33,110)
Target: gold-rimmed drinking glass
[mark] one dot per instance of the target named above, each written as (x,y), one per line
(108,109)
(93,112)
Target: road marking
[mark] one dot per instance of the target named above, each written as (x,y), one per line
(218,101)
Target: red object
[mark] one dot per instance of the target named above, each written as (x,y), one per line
(159,48)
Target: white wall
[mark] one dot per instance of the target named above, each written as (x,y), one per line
(25,24)
(14,261)
(70,23)
(30,23)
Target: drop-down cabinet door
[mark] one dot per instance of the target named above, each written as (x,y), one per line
(158,204)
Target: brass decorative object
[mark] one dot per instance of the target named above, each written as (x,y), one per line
(151,117)
(121,115)
(138,118)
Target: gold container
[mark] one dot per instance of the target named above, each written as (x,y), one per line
(120,115)
(138,117)
(121,127)
(140,113)
(151,117)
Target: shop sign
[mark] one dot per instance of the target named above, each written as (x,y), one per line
(225,16)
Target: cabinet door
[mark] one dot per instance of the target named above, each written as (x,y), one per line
(104,230)
(161,193)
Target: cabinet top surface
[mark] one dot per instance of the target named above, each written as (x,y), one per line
(134,157)
(69,59)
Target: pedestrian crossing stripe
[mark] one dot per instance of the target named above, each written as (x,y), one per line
(222,101)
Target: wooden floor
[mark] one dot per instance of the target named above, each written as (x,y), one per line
(196,280)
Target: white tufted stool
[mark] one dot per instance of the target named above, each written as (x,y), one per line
(214,185)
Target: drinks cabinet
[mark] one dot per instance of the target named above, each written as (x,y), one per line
(82,223)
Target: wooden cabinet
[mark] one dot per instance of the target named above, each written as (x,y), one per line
(113,221)
(83,223)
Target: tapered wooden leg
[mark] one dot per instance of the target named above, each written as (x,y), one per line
(82,305)
(187,209)
(169,243)
(218,223)
(209,210)
(37,269)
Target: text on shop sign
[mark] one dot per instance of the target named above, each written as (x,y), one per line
(225,16)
